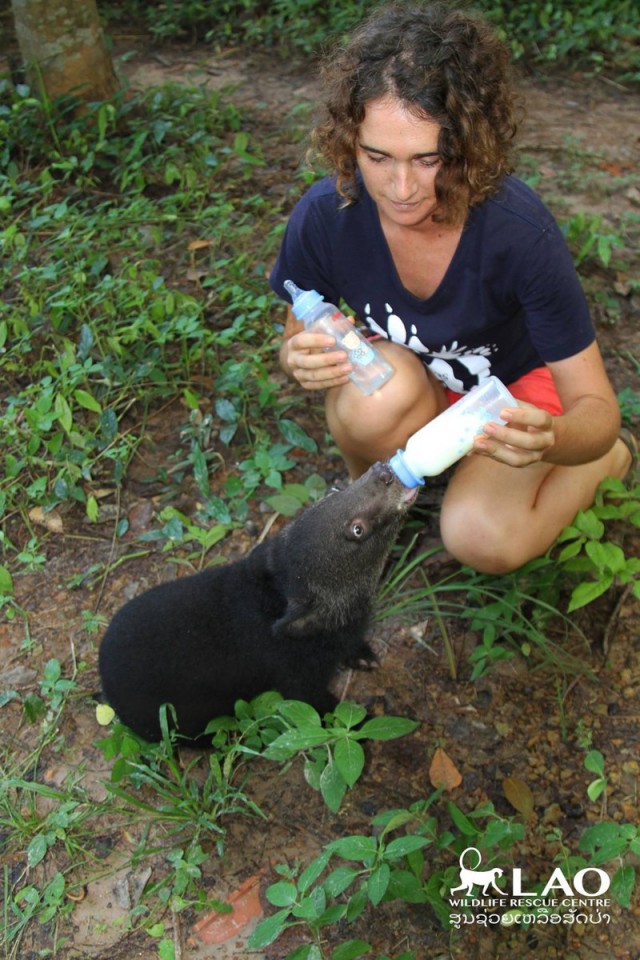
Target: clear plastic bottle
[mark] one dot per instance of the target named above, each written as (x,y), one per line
(370,369)
(449,436)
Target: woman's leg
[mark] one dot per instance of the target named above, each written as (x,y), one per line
(372,428)
(496,517)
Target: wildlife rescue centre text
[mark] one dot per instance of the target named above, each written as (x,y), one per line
(480,901)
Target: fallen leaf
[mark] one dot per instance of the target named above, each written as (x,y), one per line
(50,520)
(199,244)
(104,714)
(519,796)
(615,169)
(443,772)
(216,927)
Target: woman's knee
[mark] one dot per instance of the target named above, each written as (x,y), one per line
(479,542)
(406,402)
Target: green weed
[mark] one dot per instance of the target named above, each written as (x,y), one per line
(599,34)
(369,870)
(599,562)
(509,613)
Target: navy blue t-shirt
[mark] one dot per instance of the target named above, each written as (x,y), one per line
(509,302)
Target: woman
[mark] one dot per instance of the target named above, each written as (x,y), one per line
(462,272)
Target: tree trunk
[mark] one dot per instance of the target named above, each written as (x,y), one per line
(63,47)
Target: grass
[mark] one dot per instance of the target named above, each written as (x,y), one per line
(135,241)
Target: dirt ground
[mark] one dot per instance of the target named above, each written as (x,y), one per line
(511,723)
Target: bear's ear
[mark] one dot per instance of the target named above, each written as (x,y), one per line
(297,620)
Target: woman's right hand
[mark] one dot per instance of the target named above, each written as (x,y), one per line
(306,358)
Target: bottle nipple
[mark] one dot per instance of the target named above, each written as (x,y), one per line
(303,301)
(293,291)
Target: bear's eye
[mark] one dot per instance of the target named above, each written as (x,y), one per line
(358,530)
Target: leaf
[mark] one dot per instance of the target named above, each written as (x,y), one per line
(284,504)
(570,551)
(282,894)
(269,930)
(406,886)
(332,786)
(606,556)
(200,470)
(295,435)
(306,951)
(622,885)
(443,773)
(339,880)
(311,873)
(519,796)
(594,762)
(104,714)
(378,882)
(36,850)
(587,522)
(603,841)
(49,519)
(109,425)
(402,846)
(349,758)
(386,728)
(6,582)
(350,949)
(166,950)
(585,593)
(299,714)
(356,847)
(464,825)
(63,410)
(349,714)
(596,788)
(92,508)
(87,401)
(296,740)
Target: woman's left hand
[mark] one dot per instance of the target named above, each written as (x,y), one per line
(526,437)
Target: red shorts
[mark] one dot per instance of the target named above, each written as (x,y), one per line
(536,387)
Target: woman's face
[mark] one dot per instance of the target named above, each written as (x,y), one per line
(397,154)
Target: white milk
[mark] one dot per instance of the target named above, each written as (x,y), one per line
(450,435)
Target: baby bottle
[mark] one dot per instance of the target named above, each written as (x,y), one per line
(370,369)
(449,436)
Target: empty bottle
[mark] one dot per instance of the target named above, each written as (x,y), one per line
(370,369)
(449,436)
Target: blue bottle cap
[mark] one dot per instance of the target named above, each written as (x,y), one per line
(303,301)
(403,472)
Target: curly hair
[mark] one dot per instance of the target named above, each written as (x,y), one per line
(443,64)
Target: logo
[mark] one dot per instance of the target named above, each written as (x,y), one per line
(481,900)
(481,878)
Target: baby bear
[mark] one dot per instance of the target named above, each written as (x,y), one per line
(286,617)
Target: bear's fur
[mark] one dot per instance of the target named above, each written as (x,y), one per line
(286,617)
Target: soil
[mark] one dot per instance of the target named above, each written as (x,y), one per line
(515,723)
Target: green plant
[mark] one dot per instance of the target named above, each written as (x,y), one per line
(596,34)
(376,868)
(594,763)
(586,237)
(333,756)
(150,779)
(44,903)
(101,329)
(610,842)
(510,613)
(587,553)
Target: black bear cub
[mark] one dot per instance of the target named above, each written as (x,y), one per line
(286,617)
